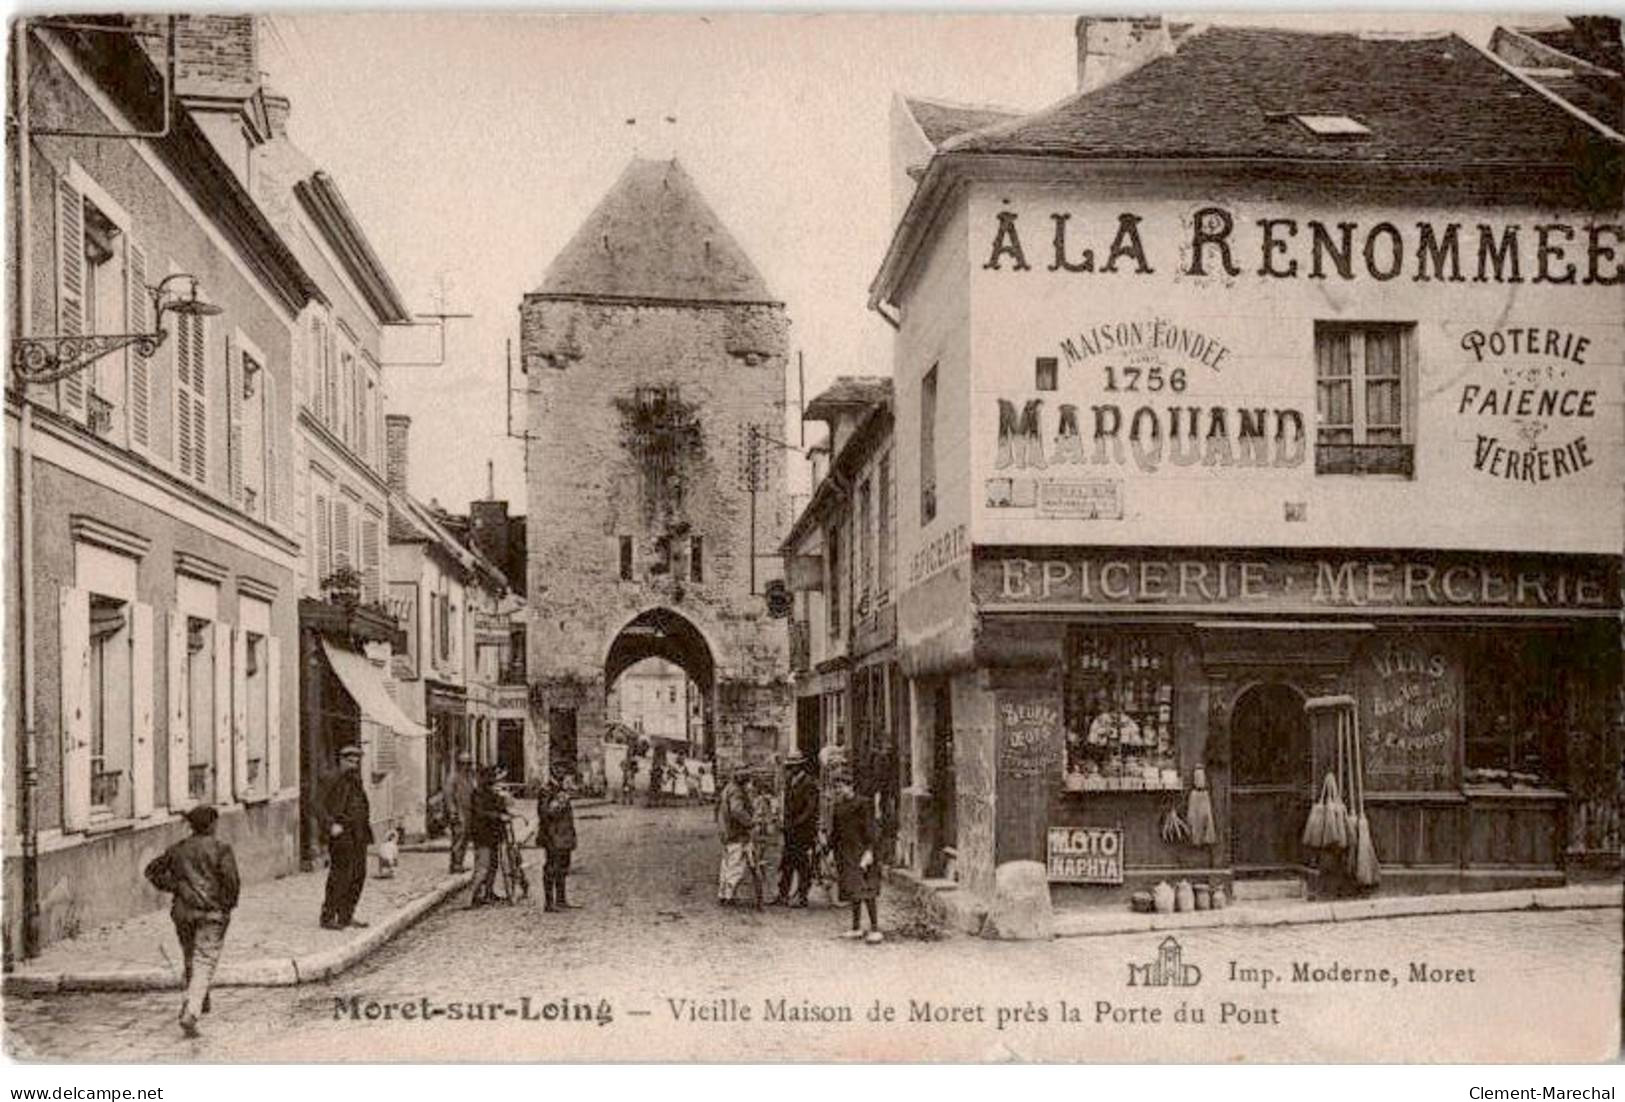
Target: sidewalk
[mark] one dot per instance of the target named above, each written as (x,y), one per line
(958,910)
(274,939)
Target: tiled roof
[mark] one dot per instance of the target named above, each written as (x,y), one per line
(653,236)
(1232,92)
(1600,48)
(939,120)
(849,391)
(1601,97)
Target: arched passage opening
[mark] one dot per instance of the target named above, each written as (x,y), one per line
(664,655)
(1270,779)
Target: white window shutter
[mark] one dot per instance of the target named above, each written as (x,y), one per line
(323,527)
(239,713)
(70,287)
(142,676)
(370,564)
(181,347)
(315,375)
(234,423)
(270,423)
(179,741)
(341,534)
(222,714)
(200,399)
(139,368)
(75,635)
(273,717)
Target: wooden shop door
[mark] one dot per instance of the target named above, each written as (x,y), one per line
(1270,779)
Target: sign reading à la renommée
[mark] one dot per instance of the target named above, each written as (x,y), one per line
(1299,583)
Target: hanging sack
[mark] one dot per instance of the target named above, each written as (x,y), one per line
(1199,818)
(1337,820)
(1314,831)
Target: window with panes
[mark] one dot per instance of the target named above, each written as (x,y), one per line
(1362,397)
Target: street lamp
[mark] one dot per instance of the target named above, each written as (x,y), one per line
(52,358)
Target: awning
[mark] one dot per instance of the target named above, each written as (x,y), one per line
(365,684)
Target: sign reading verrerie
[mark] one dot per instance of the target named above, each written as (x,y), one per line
(1086,855)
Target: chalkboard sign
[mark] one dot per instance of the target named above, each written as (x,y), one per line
(1410,714)
(1029,732)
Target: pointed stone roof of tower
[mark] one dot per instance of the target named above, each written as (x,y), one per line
(654,237)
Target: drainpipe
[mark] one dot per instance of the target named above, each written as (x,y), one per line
(29,809)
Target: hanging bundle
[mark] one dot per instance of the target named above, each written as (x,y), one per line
(1338,823)
(1199,811)
(1314,831)
(1366,870)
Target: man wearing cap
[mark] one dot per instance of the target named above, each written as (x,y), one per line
(201,872)
(459,807)
(556,833)
(346,818)
(734,815)
(488,815)
(800,833)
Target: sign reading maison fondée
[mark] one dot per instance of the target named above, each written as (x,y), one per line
(1279,583)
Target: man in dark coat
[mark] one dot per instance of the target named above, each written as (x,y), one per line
(459,790)
(556,833)
(488,814)
(346,818)
(201,872)
(800,834)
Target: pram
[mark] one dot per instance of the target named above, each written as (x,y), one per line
(511,866)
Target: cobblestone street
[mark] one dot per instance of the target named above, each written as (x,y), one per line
(651,945)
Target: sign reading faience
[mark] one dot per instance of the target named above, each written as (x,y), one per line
(1086,855)
(1524,405)
(1308,584)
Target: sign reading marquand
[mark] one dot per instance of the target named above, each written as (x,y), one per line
(1086,855)
(1062,578)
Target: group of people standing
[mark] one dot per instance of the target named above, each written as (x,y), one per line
(477,813)
(745,815)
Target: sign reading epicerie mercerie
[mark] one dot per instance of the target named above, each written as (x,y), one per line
(1307,583)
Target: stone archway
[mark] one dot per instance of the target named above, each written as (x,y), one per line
(662,633)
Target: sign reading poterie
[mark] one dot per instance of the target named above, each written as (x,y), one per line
(1308,584)
(1086,855)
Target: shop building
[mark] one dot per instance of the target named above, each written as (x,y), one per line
(452,607)
(152,585)
(841,565)
(1212,406)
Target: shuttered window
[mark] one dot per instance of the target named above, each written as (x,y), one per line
(371,564)
(138,383)
(322,525)
(70,294)
(191,397)
(343,553)
(234,422)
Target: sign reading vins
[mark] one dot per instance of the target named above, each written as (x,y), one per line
(1410,714)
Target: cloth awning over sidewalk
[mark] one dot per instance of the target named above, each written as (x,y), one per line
(366,687)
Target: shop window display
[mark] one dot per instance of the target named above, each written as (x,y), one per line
(1119,714)
(1522,696)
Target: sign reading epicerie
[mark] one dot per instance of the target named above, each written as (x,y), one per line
(1352,581)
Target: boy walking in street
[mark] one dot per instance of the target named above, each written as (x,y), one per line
(556,833)
(201,872)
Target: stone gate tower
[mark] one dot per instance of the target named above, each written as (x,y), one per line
(655,364)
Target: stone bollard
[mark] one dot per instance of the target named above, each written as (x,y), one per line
(1020,910)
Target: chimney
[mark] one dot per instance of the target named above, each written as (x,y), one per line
(216,56)
(277,109)
(397,427)
(1111,47)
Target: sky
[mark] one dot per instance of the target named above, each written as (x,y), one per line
(471,147)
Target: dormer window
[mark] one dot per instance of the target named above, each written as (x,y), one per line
(1333,126)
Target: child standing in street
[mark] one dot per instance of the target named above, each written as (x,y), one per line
(556,833)
(854,837)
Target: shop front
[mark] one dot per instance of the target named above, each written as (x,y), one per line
(1478,687)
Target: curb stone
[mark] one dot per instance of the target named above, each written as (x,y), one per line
(262,972)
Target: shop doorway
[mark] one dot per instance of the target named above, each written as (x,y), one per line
(944,789)
(1270,779)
